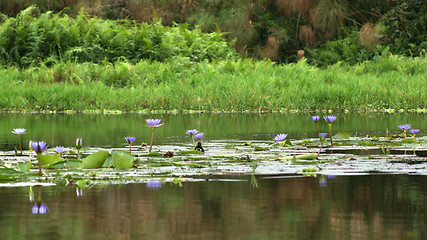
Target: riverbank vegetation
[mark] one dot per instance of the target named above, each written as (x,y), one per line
(392,82)
(55,62)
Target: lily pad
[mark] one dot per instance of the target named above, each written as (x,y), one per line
(342,136)
(309,156)
(123,160)
(190,152)
(46,160)
(66,164)
(95,160)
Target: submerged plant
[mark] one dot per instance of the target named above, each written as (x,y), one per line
(153,123)
(316,121)
(19,132)
(404,128)
(130,140)
(59,150)
(78,147)
(192,132)
(39,148)
(414,132)
(330,120)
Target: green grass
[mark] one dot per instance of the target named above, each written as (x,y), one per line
(392,82)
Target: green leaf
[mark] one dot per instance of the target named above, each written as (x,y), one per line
(24,166)
(49,159)
(190,152)
(109,162)
(123,160)
(66,164)
(258,148)
(308,156)
(342,136)
(95,160)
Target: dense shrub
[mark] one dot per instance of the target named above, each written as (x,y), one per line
(31,38)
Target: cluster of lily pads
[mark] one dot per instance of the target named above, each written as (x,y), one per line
(120,159)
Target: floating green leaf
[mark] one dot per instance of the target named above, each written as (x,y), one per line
(66,164)
(342,136)
(46,160)
(190,152)
(24,166)
(308,156)
(95,160)
(123,160)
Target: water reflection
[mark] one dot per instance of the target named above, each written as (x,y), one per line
(39,207)
(154,184)
(358,207)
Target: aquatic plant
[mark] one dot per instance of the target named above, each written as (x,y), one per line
(280,137)
(316,121)
(59,150)
(330,120)
(153,123)
(39,148)
(322,139)
(79,146)
(414,132)
(199,136)
(130,140)
(192,132)
(404,128)
(19,132)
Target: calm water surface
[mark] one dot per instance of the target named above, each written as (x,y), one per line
(110,130)
(342,207)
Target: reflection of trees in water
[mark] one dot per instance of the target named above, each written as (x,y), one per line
(362,207)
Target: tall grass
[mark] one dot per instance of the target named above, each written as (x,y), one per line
(392,82)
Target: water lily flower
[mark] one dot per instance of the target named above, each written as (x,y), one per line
(315,118)
(322,136)
(414,132)
(19,132)
(192,132)
(280,137)
(39,208)
(130,140)
(330,120)
(79,144)
(316,121)
(404,128)
(39,148)
(199,136)
(59,150)
(153,123)
(154,184)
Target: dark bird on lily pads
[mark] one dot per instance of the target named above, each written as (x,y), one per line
(199,147)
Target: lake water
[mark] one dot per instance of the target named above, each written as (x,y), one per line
(286,207)
(281,207)
(110,130)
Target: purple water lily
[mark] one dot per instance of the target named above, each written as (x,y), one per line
(280,137)
(59,150)
(192,132)
(322,135)
(153,123)
(330,119)
(39,147)
(414,132)
(19,132)
(315,118)
(404,128)
(130,140)
(199,136)
(79,142)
